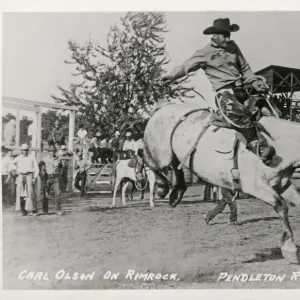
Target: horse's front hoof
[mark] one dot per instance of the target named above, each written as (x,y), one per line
(173,203)
(290,255)
(173,198)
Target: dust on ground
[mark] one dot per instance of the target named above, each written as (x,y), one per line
(93,237)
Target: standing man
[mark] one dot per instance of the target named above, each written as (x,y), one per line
(82,133)
(57,136)
(53,167)
(139,144)
(28,171)
(129,143)
(115,145)
(63,155)
(8,181)
(82,165)
(95,147)
(227,199)
(114,142)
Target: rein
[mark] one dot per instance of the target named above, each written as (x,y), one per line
(144,178)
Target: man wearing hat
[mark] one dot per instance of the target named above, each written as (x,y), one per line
(57,136)
(64,156)
(27,169)
(129,143)
(82,165)
(114,144)
(8,182)
(95,146)
(227,70)
(10,171)
(53,167)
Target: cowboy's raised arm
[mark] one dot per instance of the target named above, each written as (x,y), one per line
(194,63)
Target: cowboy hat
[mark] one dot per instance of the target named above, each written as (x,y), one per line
(98,133)
(56,122)
(24,147)
(221,26)
(63,147)
(117,132)
(128,133)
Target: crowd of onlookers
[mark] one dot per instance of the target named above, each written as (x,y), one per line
(21,172)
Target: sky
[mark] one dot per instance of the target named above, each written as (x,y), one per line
(35,45)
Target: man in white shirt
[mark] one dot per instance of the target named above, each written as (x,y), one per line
(28,171)
(139,144)
(82,133)
(8,181)
(129,143)
(81,165)
(95,147)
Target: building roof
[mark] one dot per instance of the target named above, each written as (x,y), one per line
(281,79)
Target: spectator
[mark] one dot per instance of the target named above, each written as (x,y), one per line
(129,143)
(53,167)
(27,170)
(8,181)
(63,178)
(82,165)
(82,133)
(228,198)
(57,136)
(95,147)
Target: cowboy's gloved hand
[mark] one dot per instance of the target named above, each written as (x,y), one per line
(259,85)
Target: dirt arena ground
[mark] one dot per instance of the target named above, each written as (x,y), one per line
(175,244)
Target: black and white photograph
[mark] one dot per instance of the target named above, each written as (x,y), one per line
(150,150)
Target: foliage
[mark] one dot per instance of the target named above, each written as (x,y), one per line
(119,83)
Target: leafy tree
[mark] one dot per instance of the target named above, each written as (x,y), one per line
(48,120)
(118,83)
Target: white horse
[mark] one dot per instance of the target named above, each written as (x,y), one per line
(173,130)
(127,174)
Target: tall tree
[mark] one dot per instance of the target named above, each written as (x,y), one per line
(119,82)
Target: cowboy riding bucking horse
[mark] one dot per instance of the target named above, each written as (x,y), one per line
(228,71)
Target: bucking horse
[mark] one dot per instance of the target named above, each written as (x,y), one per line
(173,131)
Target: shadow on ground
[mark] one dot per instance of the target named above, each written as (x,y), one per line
(258,219)
(270,254)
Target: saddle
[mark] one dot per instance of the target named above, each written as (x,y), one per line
(225,141)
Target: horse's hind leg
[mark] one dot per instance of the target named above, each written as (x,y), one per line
(117,183)
(124,188)
(180,186)
(267,194)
